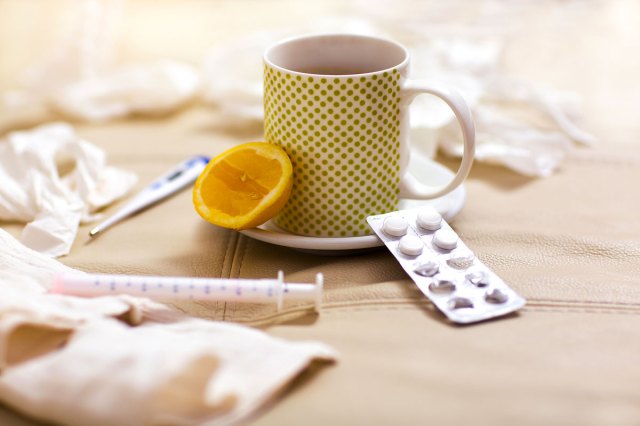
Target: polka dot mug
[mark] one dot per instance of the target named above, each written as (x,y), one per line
(338,105)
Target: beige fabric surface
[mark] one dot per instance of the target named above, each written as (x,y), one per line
(569,243)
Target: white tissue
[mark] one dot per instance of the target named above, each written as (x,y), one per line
(233,76)
(518,125)
(149,89)
(505,141)
(33,190)
(78,78)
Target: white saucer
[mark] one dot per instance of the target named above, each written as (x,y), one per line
(425,169)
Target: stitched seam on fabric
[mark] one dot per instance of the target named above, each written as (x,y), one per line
(583,302)
(227,243)
(335,306)
(406,304)
(230,243)
(226,253)
(568,308)
(402,306)
(236,267)
(410,302)
(575,310)
(238,256)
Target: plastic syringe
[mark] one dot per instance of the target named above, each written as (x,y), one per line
(185,288)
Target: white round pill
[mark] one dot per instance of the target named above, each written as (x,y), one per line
(395,226)
(445,239)
(410,245)
(428,218)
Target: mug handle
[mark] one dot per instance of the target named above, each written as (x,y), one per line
(410,187)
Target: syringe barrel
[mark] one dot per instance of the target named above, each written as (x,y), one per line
(168,288)
(299,291)
(183,288)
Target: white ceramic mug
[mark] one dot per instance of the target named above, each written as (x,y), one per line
(338,104)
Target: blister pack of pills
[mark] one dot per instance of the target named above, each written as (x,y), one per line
(443,267)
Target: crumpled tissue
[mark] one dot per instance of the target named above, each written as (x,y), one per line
(149,89)
(526,128)
(79,79)
(134,361)
(36,189)
(532,142)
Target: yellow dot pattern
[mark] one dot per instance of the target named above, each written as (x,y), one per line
(343,137)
